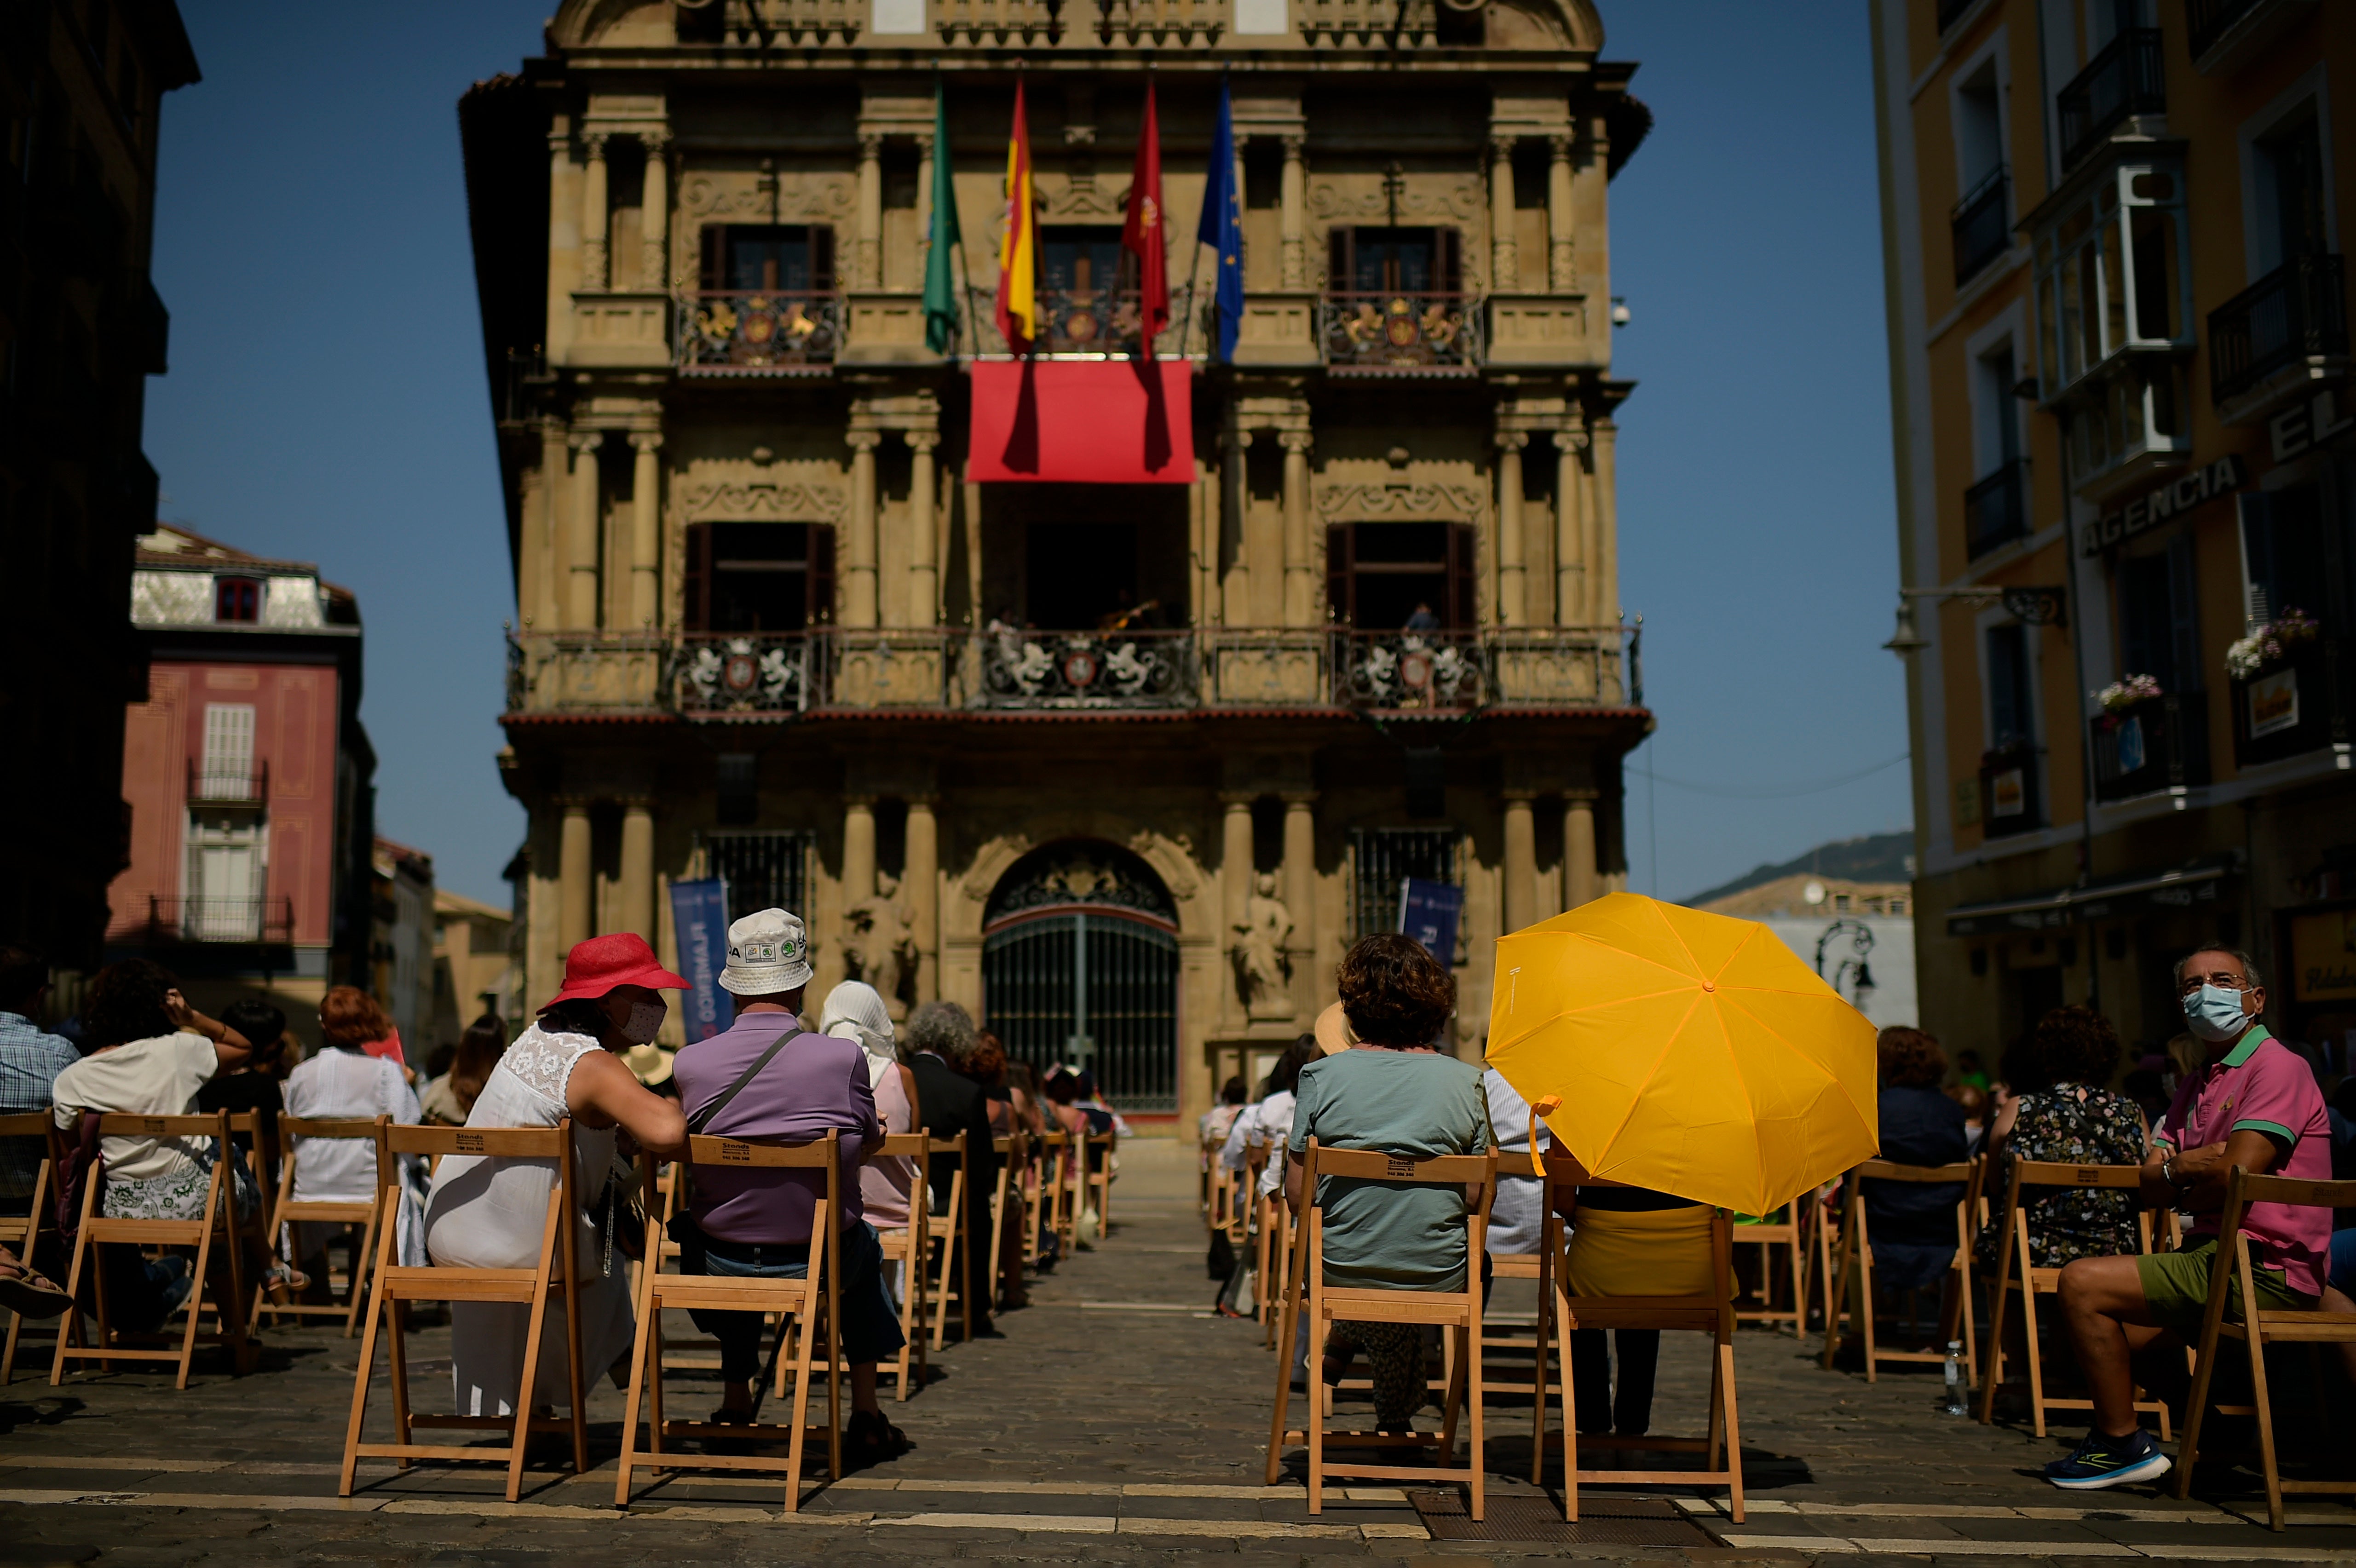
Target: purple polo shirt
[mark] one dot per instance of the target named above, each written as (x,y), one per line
(2262,1085)
(817,1084)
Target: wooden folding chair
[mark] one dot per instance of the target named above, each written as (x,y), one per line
(813,1303)
(367,1213)
(1516,1339)
(2257,1328)
(1219,1184)
(22,1232)
(952,1281)
(1041,1181)
(1006,1205)
(1778,1238)
(217,1227)
(1456,1312)
(2017,1272)
(910,1245)
(1712,1315)
(1097,1165)
(556,1271)
(1857,1248)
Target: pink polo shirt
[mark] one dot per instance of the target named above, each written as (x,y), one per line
(2262,1085)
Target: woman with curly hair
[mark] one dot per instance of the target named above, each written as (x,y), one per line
(2074,1120)
(1912,1224)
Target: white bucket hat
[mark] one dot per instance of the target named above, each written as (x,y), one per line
(769,951)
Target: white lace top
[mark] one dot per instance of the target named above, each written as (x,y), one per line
(486,1212)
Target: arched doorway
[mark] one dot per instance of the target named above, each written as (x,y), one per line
(1079,963)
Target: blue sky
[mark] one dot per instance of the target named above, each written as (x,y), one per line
(326,401)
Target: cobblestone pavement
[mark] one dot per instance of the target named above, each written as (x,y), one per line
(1117,1422)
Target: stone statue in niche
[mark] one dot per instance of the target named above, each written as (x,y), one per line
(1263,970)
(880,944)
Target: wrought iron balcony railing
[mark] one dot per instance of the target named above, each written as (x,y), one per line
(2296,311)
(749,672)
(220,920)
(2125,78)
(1411,669)
(213,784)
(1996,509)
(1082,321)
(755,332)
(1979,225)
(1022,668)
(2302,703)
(2159,743)
(1399,331)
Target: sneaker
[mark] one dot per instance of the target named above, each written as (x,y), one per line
(2100,1462)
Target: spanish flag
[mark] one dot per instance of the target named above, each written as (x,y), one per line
(1018,251)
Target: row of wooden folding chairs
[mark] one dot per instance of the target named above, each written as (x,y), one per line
(1847,1249)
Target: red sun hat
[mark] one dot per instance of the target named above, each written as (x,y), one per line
(598,966)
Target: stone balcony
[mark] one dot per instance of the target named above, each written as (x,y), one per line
(725,676)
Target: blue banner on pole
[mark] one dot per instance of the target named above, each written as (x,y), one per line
(1429,911)
(699,913)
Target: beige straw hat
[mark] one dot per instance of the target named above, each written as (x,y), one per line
(1333,1030)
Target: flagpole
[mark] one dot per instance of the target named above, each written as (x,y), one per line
(1193,276)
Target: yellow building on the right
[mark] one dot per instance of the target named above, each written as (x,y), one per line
(2125,442)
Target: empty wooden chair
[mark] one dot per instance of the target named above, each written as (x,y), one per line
(952,1284)
(2015,1272)
(1779,1240)
(21,1234)
(1713,1315)
(1456,1313)
(218,1236)
(2256,1328)
(811,1304)
(1856,1250)
(1098,1174)
(1515,1339)
(1042,1179)
(555,1273)
(910,1246)
(367,1213)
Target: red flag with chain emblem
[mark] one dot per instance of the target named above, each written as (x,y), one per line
(1141,235)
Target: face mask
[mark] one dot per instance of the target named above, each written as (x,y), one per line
(645,1022)
(2214,1013)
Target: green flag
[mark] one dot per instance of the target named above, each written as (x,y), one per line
(940,283)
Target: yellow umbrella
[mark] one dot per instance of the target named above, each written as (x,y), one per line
(1692,1053)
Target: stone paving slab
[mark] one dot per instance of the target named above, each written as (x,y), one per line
(1117,1422)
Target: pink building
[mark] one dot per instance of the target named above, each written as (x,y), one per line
(248,778)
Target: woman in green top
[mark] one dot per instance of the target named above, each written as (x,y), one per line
(1394,1093)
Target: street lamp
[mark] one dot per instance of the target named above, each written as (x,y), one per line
(1908,640)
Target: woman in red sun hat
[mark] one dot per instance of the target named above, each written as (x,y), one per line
(487,1212)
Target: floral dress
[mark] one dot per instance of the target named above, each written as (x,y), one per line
(2071,1123)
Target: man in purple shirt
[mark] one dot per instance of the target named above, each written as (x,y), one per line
(767,1080)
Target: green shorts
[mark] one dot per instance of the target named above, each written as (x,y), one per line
(2176,1288)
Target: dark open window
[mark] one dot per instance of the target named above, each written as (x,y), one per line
(1369,260)
(1379,575)
(2010,719)
(237,598)
(2157,634)
(1082,258)
(769,258)
(759,577)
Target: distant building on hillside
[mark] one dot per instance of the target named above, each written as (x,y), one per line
(1858,935)
(1802,895)
(249,782)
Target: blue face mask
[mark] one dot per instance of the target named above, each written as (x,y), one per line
(2214,1013)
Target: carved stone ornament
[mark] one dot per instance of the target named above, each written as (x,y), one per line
(1461,199)
(1080,198)
(1400,502)
(803,198)
(734,501)
(1080,871)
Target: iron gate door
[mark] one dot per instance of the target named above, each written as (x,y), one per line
(1094,987)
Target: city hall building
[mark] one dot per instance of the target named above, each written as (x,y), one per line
(1123,765)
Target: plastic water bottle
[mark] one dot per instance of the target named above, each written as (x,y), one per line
(1955,1377)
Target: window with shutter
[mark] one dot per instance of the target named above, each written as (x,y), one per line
(750,576)
(228,751)
(1341,606)
(1340,265)
(698,581)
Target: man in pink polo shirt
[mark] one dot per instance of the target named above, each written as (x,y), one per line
(2255,1103)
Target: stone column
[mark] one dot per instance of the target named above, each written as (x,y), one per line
(924,606)
(870,263)
(654,212)
(593,216)
(1234,884)
(1301,896)
(563,240)
(573,878)
(857,850)
(639,868)
(1562,275)
(1521,864)
(550,587)
(859,602)
(1579,885)
(1604,595)
(645,531)
(921,883)
(581,536)
(1569,531)
(1300,572)
(1512,555)
(1292,193)
(1504,263)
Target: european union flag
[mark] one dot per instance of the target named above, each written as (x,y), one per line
(1222,228)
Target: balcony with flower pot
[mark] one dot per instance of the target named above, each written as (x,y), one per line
(2149,741)
(2289,686)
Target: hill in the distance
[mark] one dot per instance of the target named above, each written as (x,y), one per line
(1876,858)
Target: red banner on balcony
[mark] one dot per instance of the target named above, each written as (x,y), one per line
(1093,421)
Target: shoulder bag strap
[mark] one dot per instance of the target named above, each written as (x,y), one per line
(703,1119)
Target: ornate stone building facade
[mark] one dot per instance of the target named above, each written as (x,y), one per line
(1123,768)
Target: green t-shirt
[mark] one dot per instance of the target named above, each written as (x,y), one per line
(1414,1104)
